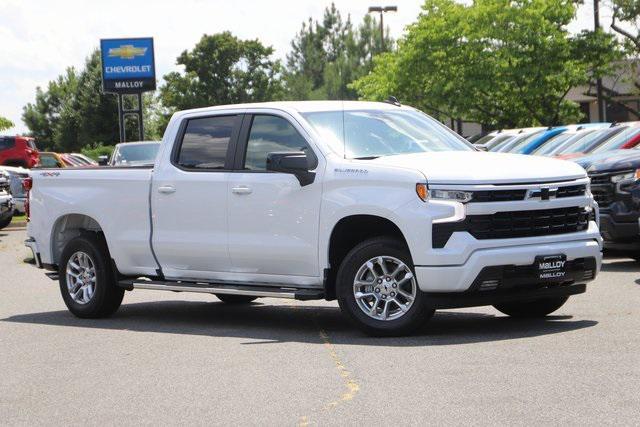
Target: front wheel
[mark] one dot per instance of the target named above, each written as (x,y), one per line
(532,309)
(377,289)
(87,281)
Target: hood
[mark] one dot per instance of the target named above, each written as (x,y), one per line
(478,167)
(611,161)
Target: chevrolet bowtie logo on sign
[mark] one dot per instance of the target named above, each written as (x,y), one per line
(128,65)
(127,51)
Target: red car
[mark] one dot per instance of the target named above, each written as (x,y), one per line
(18,151)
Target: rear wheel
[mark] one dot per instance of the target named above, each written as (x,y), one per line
(377,289)
(235,299)
(532,309)
(87,282)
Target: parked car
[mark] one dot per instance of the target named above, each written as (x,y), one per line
(628,138)
(529,145)
(505,145)
(615,184)
(18,151)
(141,153)
(493,139)
(6,201)
(376,205)
(85,160)
(589,143)
(16,187)
(567,138)
(51,160)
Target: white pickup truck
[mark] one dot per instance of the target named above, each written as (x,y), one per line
(376,205)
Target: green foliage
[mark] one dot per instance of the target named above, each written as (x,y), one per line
(326,56)
(626,22)
(5,123)
(96,150)
(222,69)
(497,62)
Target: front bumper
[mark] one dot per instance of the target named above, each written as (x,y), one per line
(460,278)
(477,299)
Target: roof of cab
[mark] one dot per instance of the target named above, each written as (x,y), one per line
(301,106)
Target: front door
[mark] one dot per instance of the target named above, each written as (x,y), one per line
(273,220)
(189,199)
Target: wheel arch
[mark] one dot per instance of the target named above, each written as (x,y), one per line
(347,233)
(68,227)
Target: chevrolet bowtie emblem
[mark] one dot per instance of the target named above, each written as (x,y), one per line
(127,51)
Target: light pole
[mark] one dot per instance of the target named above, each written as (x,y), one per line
(601,107)
(382,10)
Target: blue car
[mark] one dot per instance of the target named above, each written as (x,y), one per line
(533,142)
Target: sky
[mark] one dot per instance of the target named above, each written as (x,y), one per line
(40,38)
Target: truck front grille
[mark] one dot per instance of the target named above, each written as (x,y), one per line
(484,196)
(506,225)
(603,189)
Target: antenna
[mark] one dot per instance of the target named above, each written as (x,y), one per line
(393,101)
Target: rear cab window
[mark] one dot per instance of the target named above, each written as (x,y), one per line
(206,141)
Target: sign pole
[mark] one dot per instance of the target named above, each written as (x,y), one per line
(140,119)
(121,122)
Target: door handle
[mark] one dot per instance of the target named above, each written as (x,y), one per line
(241,190)
(166,189)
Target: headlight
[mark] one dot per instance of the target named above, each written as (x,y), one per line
(455,195)
(628,176)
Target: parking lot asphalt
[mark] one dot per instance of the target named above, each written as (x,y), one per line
(175,358)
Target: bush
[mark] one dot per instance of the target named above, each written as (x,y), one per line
(96,150)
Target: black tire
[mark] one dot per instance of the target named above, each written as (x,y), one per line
(417,314)
(107,297)
(235,299)
(531,309)
(5,222)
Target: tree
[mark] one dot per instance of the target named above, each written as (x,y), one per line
(222,69)
(73,112)
(625,21)
(5,123)
(497,62)
(326,56)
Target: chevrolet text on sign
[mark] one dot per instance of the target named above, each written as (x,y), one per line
(128,65)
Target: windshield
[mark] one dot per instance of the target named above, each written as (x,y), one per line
(136,154)
(375,133)
(618,140)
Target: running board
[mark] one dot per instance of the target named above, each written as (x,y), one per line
(211,288)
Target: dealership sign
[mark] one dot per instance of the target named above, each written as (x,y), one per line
(128,65)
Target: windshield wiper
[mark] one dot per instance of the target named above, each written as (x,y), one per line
(366,158)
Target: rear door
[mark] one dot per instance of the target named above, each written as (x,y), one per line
(190,196)
(273,220)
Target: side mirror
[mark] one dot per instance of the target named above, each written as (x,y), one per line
(296,163)
(103,160)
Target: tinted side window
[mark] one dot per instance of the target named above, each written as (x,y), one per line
(271,134)
(6,143)
(205,142)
